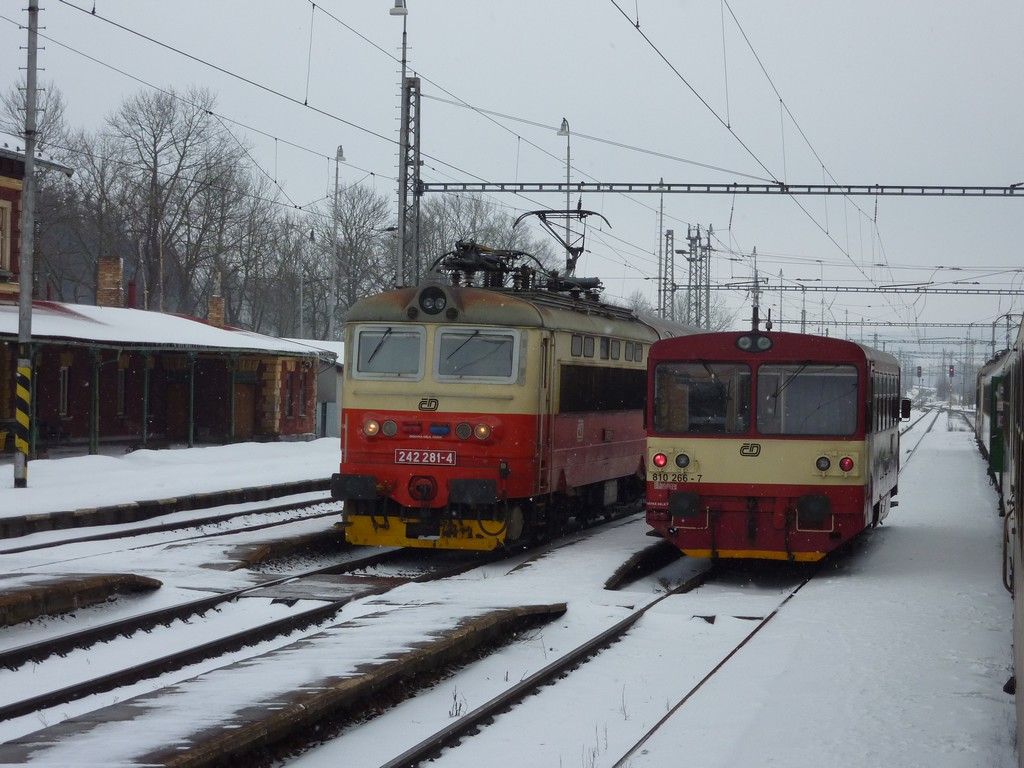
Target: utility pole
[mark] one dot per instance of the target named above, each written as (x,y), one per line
(661,256)
(670,273)
(780,300)
(707,280)
(803,309)
(23,375)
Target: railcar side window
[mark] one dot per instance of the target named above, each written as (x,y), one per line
(577,345)
(476,354)
(701,398)
(389,351)
(615,345)
(807,399)
(588,346)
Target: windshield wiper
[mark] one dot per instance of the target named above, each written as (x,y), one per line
(789,381)
(383,338)
(469,338)
(715,379)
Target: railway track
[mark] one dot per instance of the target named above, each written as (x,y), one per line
(384,571)
(129,530)
(416,571)
(905,459)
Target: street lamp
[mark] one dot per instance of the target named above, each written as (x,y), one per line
(339,157)
(564,131)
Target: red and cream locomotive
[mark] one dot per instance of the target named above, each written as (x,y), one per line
(489,408)
(766,445)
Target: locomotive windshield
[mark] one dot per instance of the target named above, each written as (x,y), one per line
(389,351)
(701,398)
(805,399)
(476,353)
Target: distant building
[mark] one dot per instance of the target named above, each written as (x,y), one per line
(328,387)
(110,373)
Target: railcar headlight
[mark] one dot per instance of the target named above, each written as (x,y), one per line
(463,431)
(744,343)
(660,460)
(371,428)
(823,463)
(389,428)
(764,343)
(433,300)
(682,461)
(482,431)
(846,463)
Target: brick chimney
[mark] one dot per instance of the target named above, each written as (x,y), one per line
(215,307)
(108,282)
(215,311)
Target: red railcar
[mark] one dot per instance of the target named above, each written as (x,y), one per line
(495,406)
(769,445)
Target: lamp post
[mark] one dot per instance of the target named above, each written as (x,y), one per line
(564,131)
(339,157)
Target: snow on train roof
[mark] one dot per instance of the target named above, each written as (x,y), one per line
(139,327)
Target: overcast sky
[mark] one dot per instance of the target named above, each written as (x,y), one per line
(909,92)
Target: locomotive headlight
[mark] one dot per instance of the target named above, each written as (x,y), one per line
(824,463)
(660,460)
(682,461)
(371,428)
(433,300)
(482,431)
(463,431)
(389,428)
(846,463)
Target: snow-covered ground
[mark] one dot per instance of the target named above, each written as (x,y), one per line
(79,482)
(895,656)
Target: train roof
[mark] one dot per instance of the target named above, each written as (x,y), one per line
(996,365)
(722,345)
(511,308)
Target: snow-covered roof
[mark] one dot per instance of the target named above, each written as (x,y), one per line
(121,327)
(336,348)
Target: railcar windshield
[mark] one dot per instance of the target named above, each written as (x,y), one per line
(476,353)
(701,398)
(389,351)
(807,399)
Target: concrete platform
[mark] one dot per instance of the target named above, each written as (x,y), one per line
(23,597)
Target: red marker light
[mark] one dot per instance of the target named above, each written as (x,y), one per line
(846,463)
(660,459)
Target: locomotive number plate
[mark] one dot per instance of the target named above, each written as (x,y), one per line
(404,456)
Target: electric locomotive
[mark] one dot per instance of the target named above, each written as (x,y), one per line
(762,445)
(489,405)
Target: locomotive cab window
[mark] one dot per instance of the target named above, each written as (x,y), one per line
(804,399)
(478,354)
(389,352)
(701,398)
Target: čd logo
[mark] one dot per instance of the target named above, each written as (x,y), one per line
(750,449)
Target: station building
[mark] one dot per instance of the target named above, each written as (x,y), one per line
(110,373)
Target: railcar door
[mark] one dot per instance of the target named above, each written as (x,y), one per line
(545,422)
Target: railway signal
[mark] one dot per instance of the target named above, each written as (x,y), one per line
(952,370)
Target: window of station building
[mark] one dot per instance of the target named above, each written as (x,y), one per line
(289,394)
(302,393)
(62,391)
(120,391)
(804,399)
(604,347)
(701,398)
(615,348)
(6,235)
(588,346)
(577,345)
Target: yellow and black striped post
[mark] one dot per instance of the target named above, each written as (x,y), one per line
(22,416)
